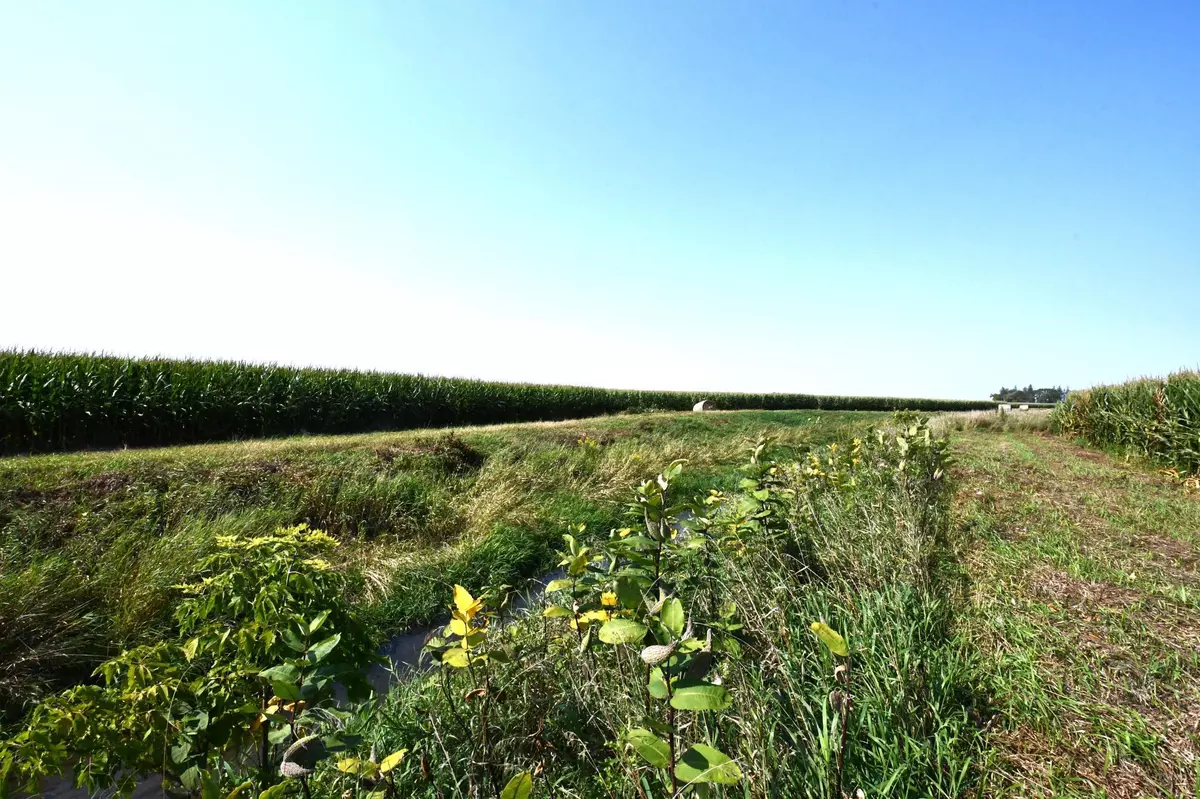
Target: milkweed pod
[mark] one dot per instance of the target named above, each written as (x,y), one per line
(653,655)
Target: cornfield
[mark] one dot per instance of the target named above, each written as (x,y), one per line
(1157,418)
(56,402)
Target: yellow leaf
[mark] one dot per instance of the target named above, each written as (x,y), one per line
(189,649)
(466,604)
(831,638)
(358,767)
(458,658)
(458,625)
(392,760)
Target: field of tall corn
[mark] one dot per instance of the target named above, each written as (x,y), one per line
(1157,418)
(56,402)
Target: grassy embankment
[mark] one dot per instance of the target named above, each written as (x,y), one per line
(1039,636)
(90,544)
(854,533)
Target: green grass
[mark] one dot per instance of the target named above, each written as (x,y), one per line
(91,543)
(875,559)
(64,402)
(1026,625)
(1086,616)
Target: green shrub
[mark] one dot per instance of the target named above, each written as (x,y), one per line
(264,633)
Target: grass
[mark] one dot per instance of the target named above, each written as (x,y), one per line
(874,558)
(55,402)
(1086,613)
(91,543)
(1023,618)
(947,424)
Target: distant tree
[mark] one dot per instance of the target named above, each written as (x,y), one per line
(1030,394)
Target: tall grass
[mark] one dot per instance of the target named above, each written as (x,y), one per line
(1157,418)
(869,550)
(53,402)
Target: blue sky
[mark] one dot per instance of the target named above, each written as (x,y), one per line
(912,198)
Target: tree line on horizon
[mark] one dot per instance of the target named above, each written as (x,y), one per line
(1030,394)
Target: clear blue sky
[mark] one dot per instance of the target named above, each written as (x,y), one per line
(866,198)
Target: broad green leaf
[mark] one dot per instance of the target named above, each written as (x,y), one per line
(578,564)
(650,747)
(672,616)
(286,690)
(622,631)
(629,593)
(210,786)
(519,787)
(392,760)
(456,657)
(294,642)
(830,637)
(558,585)
(279,734)
(285,672)
(698,695)
(190,779)
(241,789)
(556,612)
(277,790)
(657,684)
(180,752)
(317,621)
(322,650)
(702,763)
(189,649)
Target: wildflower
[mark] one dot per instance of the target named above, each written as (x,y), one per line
(833,447)
(608,599)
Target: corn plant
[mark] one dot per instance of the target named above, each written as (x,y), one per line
(1157,419)
(53,402)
